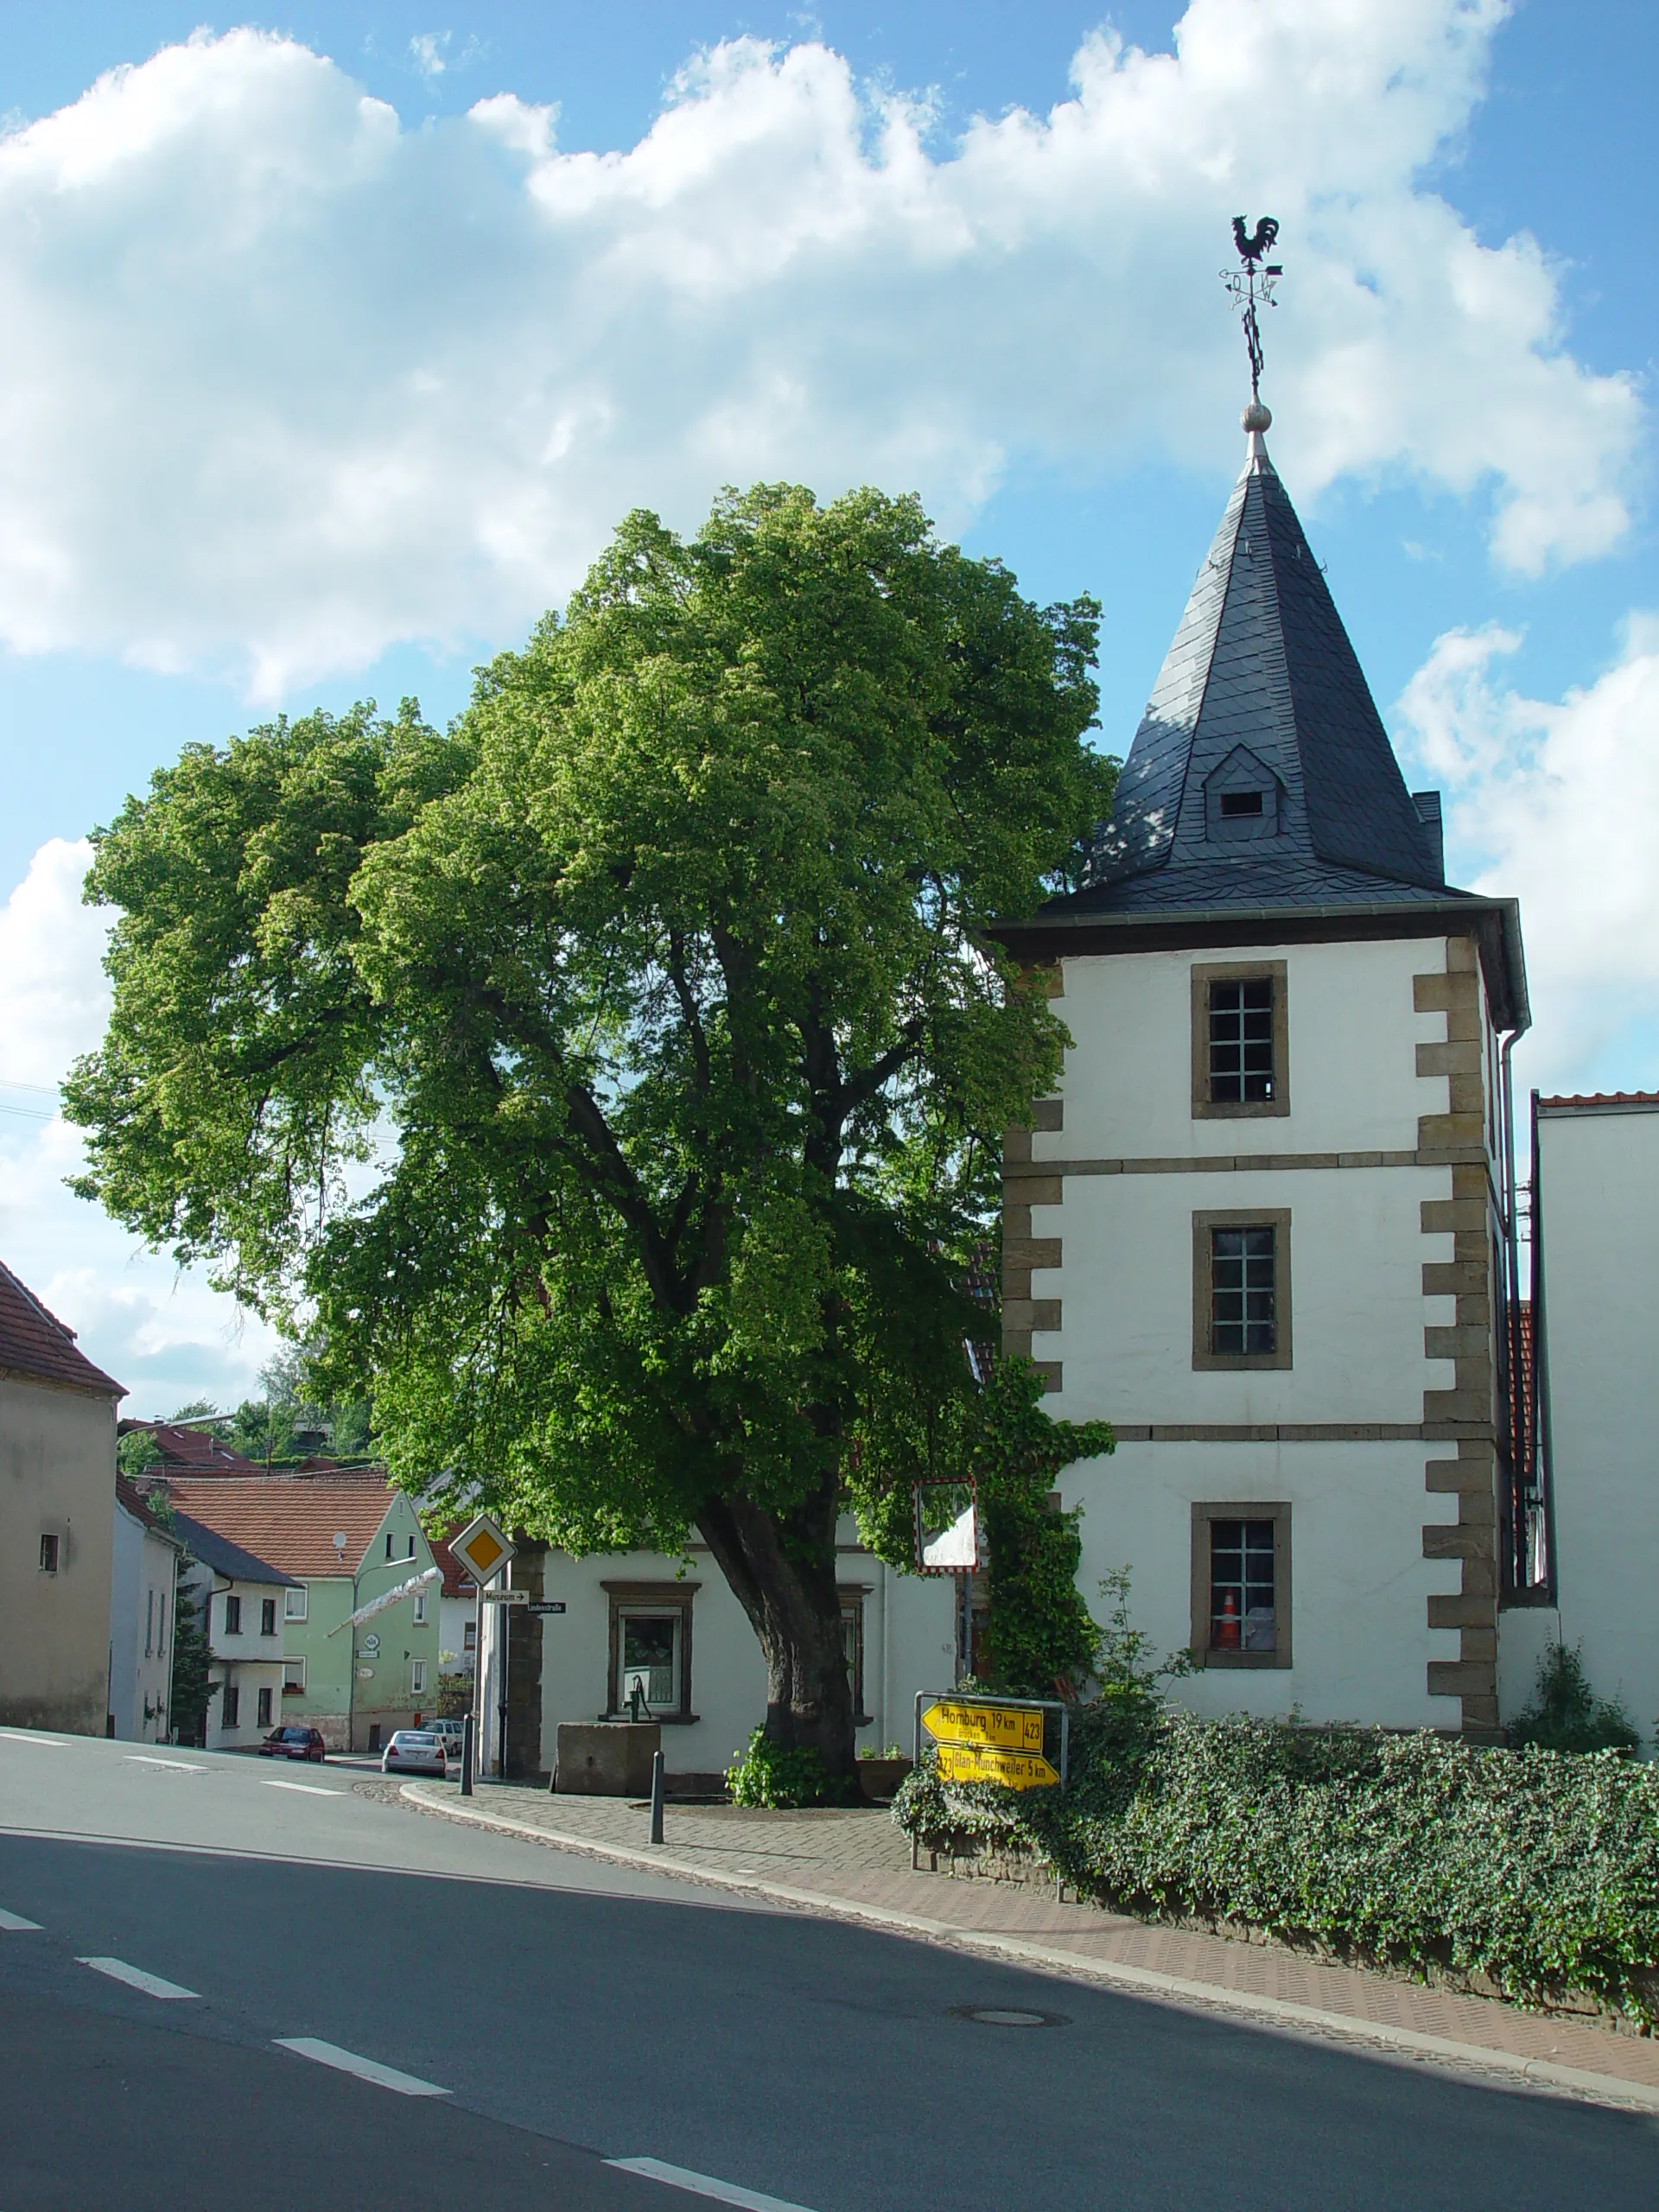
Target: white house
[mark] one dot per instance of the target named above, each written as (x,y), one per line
(144,1570)
(1595,1291)
(457,1613)
(673,1626)
(243,1600)
(1265,1224)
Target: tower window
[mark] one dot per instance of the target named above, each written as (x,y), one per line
(1234,804)
(1241,1585)
(1241,1039)
(1241,1289)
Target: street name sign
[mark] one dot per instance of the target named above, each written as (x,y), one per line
(482,1548)
(988,1763)
(547,1604)
(505,1596)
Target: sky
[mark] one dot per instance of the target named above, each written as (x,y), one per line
(338,339)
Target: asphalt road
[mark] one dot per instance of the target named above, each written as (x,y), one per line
(572,2014)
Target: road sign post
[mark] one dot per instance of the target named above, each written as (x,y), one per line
(1022,1742)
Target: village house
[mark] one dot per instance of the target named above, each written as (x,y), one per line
(57,1488)
(143,1596)
(243,1601)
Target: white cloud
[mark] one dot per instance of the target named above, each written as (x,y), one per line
(285,384)
(1557,803)
(427,49)
(168,1336)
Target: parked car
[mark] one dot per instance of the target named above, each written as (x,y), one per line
(449,1733)
(294,1743)
(414,1751)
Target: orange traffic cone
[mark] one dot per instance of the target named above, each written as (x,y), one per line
(1226,1636)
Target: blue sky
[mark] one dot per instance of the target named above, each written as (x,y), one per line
(332,363)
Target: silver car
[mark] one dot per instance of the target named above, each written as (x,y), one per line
(414,1751)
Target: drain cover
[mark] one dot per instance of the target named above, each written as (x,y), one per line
(1007,2016)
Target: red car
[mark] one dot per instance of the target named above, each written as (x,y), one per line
(294,1743)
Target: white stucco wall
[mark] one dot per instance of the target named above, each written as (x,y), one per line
(251,1661)
(908,1645)
(1359,1583)
(143,1571)
(57,1474)
(1598,1201)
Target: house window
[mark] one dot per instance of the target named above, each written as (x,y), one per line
(149,1622)
(230,1715)
(412,1547)
(388,1543)
(294,1603)
(263,1707)
(293,1677)
(1241,1289)
(232,1616)
(852,1644)
(420,1608)
(469,1636)
(651,1648)
(417,1675)
(267,1616)
(48,1555)
(1240,1038)
(1241,1585)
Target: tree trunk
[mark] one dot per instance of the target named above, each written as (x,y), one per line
(782,1568)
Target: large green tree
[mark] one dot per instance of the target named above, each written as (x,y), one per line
(613,1085)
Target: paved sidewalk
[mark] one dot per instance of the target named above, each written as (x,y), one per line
(856,1864)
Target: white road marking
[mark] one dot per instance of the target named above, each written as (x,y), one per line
(726,2192)
(367,2069)
(13,1924)
(153,1985)
(311,1788)
(180,1766)
(28,1735)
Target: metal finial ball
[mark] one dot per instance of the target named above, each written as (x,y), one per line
(1258,416)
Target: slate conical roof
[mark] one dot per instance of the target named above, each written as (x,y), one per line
(1261,775)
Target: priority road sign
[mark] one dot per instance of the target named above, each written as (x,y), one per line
(482,1548)
(984,1763)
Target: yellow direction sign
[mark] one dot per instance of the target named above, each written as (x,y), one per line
(970,1721)
(987,1763)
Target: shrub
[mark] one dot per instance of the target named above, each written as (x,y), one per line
(765,1774)
(1567,1715)
(1538,1869)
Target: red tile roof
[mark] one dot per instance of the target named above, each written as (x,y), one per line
(35,1344)
(1605,1098)
(290,1520)
(141,1509)
(193,1450)
(457,1583)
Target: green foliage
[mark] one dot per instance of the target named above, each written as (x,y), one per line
(135,1451)
(1537,1869)
(1565,1713)
(1042,1637)
(655,1006)
(766,1773)
(293,1420)
(188,1707)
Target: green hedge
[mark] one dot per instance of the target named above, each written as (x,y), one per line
(1538,1869)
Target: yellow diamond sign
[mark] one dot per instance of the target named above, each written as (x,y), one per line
(481,1547)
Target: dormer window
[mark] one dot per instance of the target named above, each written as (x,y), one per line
(1241,798)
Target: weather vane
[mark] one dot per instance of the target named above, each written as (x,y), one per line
(1252,286)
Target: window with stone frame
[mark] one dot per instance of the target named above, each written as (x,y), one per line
(1241,1585)
(1240,1289)
(1241,1040)
(650,1666)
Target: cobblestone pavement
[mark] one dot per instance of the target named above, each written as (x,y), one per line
(856,1864)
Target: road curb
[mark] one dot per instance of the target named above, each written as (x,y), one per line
(1145,1981)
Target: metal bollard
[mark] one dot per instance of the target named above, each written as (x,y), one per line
(466,1757)
(656,1796)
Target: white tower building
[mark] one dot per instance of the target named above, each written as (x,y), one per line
(1265,1225)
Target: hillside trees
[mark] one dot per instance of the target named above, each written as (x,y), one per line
(613,1085)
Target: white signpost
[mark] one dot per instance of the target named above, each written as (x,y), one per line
(485,1550)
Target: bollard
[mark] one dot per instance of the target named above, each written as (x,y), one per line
(657,1797)
(466,1757)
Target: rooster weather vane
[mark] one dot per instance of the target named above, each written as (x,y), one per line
(1252,286)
